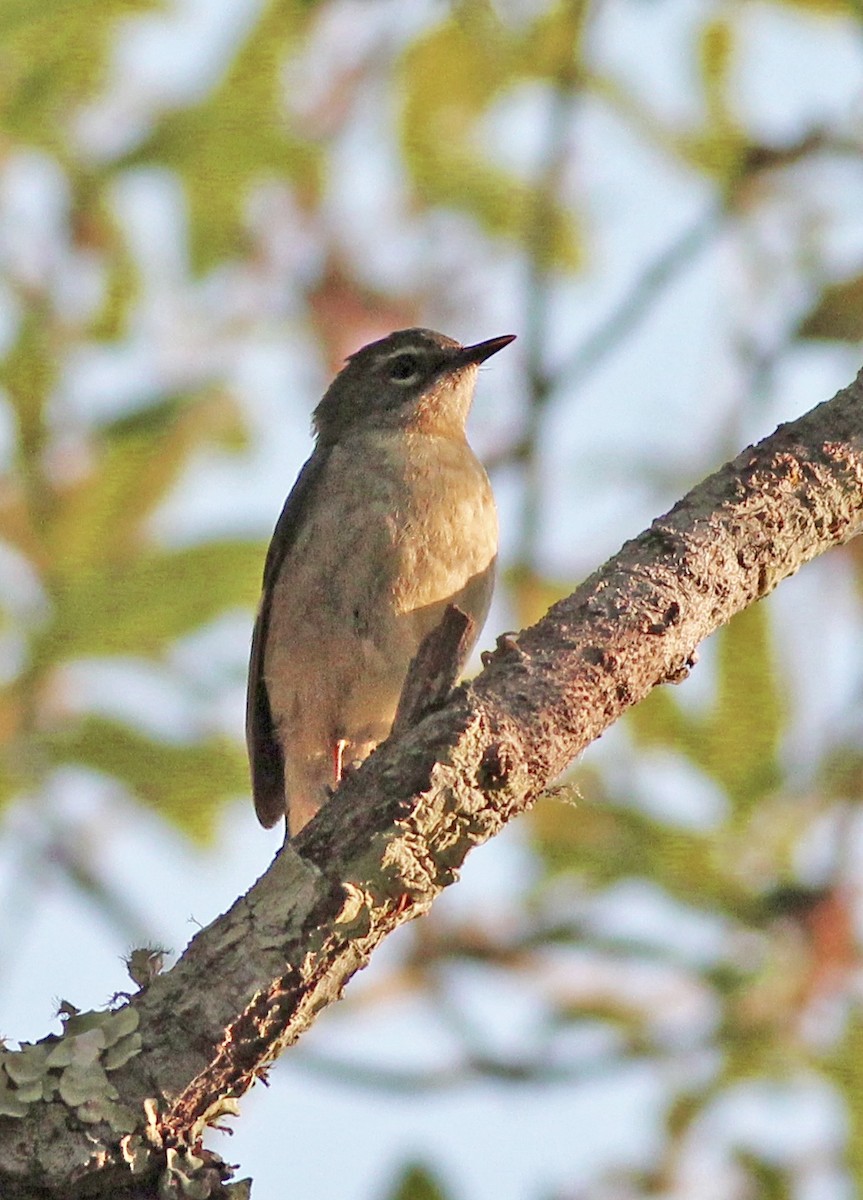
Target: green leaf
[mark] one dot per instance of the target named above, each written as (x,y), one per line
(446,85)
(720,147)
(625,1015)
(551,48)
(186,783)
(16,525)
(769,1182)
(532,594)
(845,1067)
(96,226)
(716,56)
(601,844)
(139,607)
(838,314)
(744,733)
(99,520)
(236,137)
(53,54)
(28,372)
(417,1182)
(661,721)
(737,742)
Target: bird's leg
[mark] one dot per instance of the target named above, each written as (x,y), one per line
(338,760)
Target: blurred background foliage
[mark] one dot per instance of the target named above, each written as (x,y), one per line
(203,208)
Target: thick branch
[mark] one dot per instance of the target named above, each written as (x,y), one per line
(398,829)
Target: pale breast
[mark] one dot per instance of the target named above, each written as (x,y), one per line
(403,525)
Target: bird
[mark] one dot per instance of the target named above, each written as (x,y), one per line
(391,520)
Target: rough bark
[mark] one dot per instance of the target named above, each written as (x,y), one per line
(397,831)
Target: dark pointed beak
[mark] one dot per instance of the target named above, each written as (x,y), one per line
(483,350)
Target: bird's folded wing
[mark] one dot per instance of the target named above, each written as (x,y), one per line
(265,752)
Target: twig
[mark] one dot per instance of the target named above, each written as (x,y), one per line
(434,668)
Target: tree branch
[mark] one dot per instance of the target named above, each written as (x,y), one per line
(398,829)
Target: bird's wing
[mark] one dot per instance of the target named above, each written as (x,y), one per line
(265,752)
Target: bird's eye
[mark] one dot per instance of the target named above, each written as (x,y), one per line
(404,368)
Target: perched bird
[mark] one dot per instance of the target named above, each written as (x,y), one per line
(390,520)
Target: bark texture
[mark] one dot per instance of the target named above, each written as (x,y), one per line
(397,831)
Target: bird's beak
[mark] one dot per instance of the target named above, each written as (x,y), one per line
(483,350)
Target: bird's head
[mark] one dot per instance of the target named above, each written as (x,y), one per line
(414,378)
